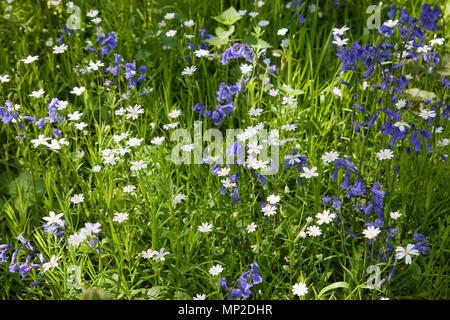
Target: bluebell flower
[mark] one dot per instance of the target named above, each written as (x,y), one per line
(236,51)
(429,17)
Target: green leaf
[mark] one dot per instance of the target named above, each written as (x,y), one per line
(258,44)
(154,293)
(333,286)
(287,90)
(222,36)
(223,33)
(228,17)
(31,189)
(180,295)
(215,41)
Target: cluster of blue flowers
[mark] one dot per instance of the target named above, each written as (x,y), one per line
(227,91)
(22,267)
(241,287)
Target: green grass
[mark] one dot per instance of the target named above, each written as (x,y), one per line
(34,182)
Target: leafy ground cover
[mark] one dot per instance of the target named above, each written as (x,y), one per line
(349,98)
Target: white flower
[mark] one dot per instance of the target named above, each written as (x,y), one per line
(289,100)
(400,103)
(339,42)
(158,140)
(425,114)
(60,49)
(199,297)
(215,270)
(337,92)
(189,70)
(120,217)
(77,198)
(78,90)
(171,33)
(255,112)
(395,215)
(40,140)
(134,142)
(119,112)
(96,168)
(128,189)
(424,49)
(201,53)
(302,234)
(79,154)
(74,116)
(174,114)
(246,68)
(169,16)
(325,217)
(254,147)
(76,239)
(263,23)
(371,232)
(289,127)
(81,125)
(438,41)
(97,20)
(62,105)
(160,255)
(391,23)
(29,59)
(205,227)
(330,156)
(242,13)
(178,198)
(63,141)
(299,289)
(170,125)
(284,43)
(91,228)
(273,199)
(313,231)
(273,92)
(401,125)
(223,172)
(52,264)
(138,165)
(443,142)
(282,32)
(4,78)
(251,227)
(188,147)
(308,173)
(109,159)
(54,145)
(269,210)
(93,13)
(189,23)
(227,183)
(340,31)
(260,4)
(134,111)
(37,94)
(385,154)
(53,218)
(401,253)
(149,253)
